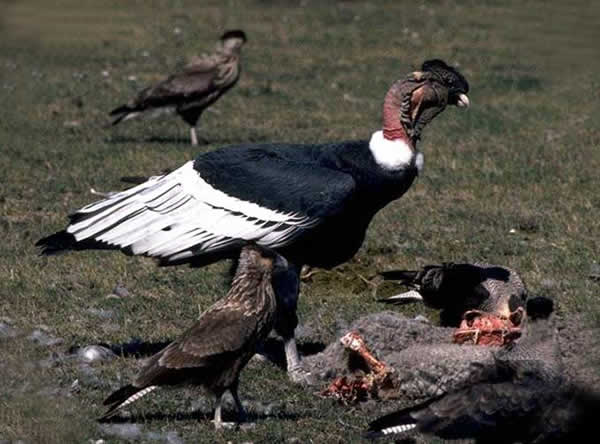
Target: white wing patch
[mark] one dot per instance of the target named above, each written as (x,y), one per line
(180,215)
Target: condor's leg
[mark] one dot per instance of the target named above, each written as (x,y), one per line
(287,289)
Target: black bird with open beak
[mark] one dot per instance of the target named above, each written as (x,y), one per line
(455,288)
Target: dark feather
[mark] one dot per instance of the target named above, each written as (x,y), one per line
(121,395)
(395,419)
(406,277)
(56,243)
(134,179)
(234,34)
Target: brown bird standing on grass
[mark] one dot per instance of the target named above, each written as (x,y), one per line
(213,352)
(195,88)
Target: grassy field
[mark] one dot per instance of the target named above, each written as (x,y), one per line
(513,181)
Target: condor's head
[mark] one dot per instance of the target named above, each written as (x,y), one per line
(412,102)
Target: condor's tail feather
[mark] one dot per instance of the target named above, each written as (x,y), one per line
(123,397)
(63,241)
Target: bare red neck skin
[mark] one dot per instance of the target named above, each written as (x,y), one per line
(392,126)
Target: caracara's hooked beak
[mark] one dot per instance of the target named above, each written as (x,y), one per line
(463,101)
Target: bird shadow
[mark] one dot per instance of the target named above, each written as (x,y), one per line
(272,348)
(202,141)
(197,415)
(136,348)
(154,139)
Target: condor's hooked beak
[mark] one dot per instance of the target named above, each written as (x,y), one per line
(463,101)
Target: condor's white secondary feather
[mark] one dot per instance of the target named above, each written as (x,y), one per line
(169,216)
(390,154)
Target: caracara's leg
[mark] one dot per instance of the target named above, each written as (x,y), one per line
(242,415)
(193,136)
(218,420)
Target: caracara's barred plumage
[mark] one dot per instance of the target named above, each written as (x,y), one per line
(456,288)
(213,352)
(195,88)
(312,202)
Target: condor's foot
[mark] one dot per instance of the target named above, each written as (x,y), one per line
(299,375)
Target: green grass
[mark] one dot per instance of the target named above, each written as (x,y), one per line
(524,157)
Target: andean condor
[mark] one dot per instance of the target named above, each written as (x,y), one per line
(312,202)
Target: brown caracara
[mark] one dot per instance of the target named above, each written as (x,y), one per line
(195,88)
(457,288)
(213,352)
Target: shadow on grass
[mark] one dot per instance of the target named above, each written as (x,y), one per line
(136,348)
(197,416)
(272,348)
(219,141)
(154,139)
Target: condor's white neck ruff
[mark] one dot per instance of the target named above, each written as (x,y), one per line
(393,154)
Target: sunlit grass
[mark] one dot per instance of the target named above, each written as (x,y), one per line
(525,157)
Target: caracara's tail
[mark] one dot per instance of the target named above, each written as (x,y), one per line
(395,423)
(123,112)
(405,420)
(123,397)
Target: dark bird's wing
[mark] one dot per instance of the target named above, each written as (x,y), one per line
(406,277)
(201,82)
(210,207)
(502,410)
(198,80)
(211,345)
(217,338)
